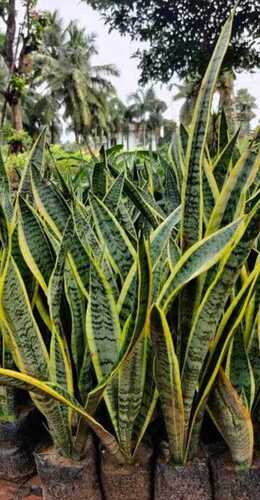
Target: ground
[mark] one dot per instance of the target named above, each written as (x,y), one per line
(29,490)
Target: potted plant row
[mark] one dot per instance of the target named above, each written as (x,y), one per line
(116,313)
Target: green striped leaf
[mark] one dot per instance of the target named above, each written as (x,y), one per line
(23,334)
(120,250)
(150,397)
(231,320)
(222,163)
(171,191)
(77,305)
(234,189)
(103,334)
(233,421)
(130,393)
(99,181)
(5,191)
(35,245)
(56,393)
(49,202)
(198,259)
(113,196)
(160,237)
(168,382)
(212,307)
(239,370)
(60,363)
(192,214)
(141,200)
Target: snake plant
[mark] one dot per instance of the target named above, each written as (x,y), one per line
(144,287)
(201,329)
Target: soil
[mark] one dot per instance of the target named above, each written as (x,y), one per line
(231,484)
(29,490)
(179,482)
(64,478)
(16,444)
(131,482)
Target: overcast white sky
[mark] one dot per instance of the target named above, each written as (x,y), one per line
(118,50)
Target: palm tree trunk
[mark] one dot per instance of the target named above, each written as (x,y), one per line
(17,116)
(227,99)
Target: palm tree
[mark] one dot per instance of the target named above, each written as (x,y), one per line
(187,90)
(39,111)
(147,109)
(227,99)
(245,104)
(81,88)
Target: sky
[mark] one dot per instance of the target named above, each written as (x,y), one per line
(115,49)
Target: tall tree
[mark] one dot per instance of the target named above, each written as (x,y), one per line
(245,104)
(180,35)
(18,44)
(187,90)
(80,87)
(147,109)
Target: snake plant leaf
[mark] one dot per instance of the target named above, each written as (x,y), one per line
(171,191)
(113,196)
(192,213)
(210,190)
(42,310)
(147,409)
(60,363)
(168,382)
(160,236)
(232,318)
(91,245)
(78,257)
(5,191)
(218,350)
(233,421)
(160,274)
(99,180)
(125,220)
(254,351)
(131,381)
(237,184)
(212,307)
(239,370)
(77,306)
(3,229)
(141,200)
(35,246)
(37,157)
(126,302)
(23,334)
(150,398)
(184,138)
(8,396)
(198,259)
(121,253)
(56,393)
(27,277)
(49,202)
(103,334)
(175,157)
(143,301)
(222,162)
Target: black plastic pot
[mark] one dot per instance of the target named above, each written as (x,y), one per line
(16,448)
(189,482)
(127,482)
(231,484)
(62,478)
